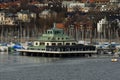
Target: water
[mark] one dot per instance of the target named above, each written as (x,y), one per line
(15,67)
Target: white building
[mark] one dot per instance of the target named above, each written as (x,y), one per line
(66,3)
(114,1)
(76,4)
(25,16)
(102,24)
(47,14)
(2,18)
(80,6)
(5,19)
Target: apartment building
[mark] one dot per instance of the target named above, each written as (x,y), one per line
(6,19)
(25,15)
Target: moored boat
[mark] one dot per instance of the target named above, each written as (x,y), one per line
(56,43)
(12,47)
(114,60)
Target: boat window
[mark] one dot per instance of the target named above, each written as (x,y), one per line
(42,43)
(53,44)
(58,38)
(48,38)
(67,43)
(59,43)
(49,32)
(37,44)
(57,32)
(66,38)
(62,38)
(47,44)
(73,43)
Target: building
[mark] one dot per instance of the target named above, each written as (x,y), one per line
(47,14)
(78,6)
(102,24)
(95,1)
(25,15)
(7,18)
(2,18)
(115,1)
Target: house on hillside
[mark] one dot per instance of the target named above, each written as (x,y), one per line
(47,14)
(102,25)
(7,18)
(73,6)
(25,15)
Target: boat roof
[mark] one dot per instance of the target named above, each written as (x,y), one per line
(55,34)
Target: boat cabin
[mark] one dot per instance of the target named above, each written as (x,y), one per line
(56,40)
(53,37)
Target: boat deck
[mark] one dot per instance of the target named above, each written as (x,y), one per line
(55,53)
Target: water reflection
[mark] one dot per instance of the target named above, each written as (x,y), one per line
(6,58)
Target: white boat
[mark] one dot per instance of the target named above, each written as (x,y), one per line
(114,60)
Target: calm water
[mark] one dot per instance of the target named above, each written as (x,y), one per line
(15,67)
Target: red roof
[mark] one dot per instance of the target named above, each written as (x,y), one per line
(60,25)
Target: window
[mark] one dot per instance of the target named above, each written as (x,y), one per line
(49,32)
(59,43)
(48,38)
(47,44)
(67,43)
(36,44)
(66,38)
(58,38)
(53,44)
(2,18)
(73,43)
(42,43)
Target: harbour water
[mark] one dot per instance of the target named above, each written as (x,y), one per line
(15,67)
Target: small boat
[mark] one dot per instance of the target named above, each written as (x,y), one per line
(114,60)
(12,48)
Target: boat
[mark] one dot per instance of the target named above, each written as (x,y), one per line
(116,55)
(114,60)
(12,47)
(56,43)
(3,47)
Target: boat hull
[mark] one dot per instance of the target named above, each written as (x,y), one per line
(55,53)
